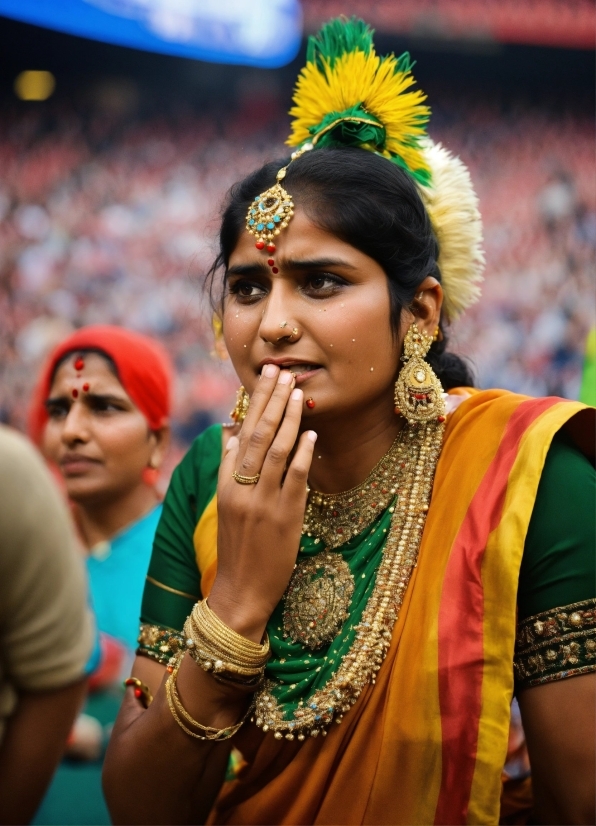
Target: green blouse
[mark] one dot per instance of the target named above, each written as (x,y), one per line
(557,585)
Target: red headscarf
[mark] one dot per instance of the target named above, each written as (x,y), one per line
(144,369)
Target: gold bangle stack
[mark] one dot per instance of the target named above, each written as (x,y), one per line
(184,720)
(219,650)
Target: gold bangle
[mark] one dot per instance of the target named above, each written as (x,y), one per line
(246,480)
(141,691)
(210,624)
(220,650)
(176,709)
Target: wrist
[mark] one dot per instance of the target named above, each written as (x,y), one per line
(238,614)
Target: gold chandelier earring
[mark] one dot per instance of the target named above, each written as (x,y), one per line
(418,391)
(238,414)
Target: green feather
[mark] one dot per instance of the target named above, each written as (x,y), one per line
(404,63)
(337,37)
(339,130)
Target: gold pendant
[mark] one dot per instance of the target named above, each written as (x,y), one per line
(317,600)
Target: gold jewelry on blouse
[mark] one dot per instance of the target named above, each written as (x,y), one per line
(409,477)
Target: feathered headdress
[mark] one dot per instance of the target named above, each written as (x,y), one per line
(348,95)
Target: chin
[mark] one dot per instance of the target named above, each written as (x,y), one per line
(85,491)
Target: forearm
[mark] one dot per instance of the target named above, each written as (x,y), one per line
(156,773)
(33,743)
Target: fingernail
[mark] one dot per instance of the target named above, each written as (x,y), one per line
(233,441)
(310,434)
(296,394)
(285,377)
(269,370)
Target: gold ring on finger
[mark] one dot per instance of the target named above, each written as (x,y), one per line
(246,480)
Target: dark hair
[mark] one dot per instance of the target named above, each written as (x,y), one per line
(77,351)
(371,204)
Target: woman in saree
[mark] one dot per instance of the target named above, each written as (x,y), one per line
(348,586)
(100,415)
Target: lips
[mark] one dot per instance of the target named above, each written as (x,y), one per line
(302,370)
(73,464)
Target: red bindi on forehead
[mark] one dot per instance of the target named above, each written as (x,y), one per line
(79,363)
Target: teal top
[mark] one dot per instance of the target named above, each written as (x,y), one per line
(117,571)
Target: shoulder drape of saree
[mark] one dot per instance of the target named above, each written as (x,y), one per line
(427,743)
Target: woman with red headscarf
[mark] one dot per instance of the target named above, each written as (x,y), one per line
(100,416)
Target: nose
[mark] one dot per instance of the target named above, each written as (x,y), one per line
(75,427)
(278,324)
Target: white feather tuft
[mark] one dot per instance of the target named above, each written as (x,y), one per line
(453,208)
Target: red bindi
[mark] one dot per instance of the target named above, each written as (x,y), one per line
(310,403)
(270,261)
(274,269)
(86,387)
(75,393)
(79,363)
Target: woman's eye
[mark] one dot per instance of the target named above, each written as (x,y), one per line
(100,405)
(246,291)
(324,284)
(56,411)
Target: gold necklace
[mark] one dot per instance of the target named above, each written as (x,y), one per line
(334,518)
(415,460)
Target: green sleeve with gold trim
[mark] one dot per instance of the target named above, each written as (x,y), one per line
(556,635)
(173,581)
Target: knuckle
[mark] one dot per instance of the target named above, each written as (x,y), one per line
(268,422)
(299,472)
(277,454)
(246,464)
(257,438)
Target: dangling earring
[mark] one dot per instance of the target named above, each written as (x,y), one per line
(418,391)
(238,414)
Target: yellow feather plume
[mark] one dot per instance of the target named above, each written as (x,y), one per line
(358,78)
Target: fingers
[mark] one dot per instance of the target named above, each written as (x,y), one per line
(228,462)
(276,458)
(260,396)
(295,482)
(255,442)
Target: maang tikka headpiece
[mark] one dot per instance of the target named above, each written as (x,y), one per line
(271,211)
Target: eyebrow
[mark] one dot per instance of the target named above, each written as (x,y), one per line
(108,397)
(304,264)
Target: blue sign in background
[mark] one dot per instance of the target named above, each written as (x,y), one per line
(265,33)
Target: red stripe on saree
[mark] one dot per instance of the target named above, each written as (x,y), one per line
(461,617)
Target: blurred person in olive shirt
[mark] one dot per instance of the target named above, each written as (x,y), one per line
(46,628)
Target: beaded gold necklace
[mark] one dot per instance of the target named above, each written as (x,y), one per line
(410,465)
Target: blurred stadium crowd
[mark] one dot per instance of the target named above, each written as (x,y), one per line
(112,223)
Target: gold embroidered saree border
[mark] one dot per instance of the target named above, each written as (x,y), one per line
(556,644)
(159,643)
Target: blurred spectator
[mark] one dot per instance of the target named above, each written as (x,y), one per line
(46,631)
(101,414)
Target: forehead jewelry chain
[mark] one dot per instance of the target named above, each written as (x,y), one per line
(271,211)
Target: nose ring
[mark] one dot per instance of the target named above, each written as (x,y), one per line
(289,336)
(283,324)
